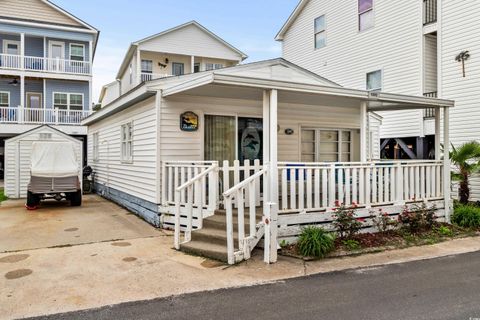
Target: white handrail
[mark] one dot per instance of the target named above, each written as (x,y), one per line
(244,183)
(189,186)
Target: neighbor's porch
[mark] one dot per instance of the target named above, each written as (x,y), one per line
(273,199)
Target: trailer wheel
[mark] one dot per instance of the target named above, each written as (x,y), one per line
(76,198)
(32,200)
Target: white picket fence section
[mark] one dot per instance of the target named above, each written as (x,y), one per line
(317,186)
(245,195)
(192,197)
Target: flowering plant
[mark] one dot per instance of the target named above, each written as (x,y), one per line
(417,218)
(382,221)
(346,223)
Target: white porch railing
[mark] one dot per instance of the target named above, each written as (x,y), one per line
(246,194)
(42,64)
(153,76)
(192,197)
(42,116)
(317,186)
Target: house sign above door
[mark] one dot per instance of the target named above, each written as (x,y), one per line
(188,121)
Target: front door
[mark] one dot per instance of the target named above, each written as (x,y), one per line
(56,54)
(11,48)
(34,107)
(178,69)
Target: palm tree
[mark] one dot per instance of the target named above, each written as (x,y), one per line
(466,160)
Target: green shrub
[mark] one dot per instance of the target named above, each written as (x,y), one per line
(315,242)
(346,222)
(351,245)
(2,195)
(466,216)
(444,231)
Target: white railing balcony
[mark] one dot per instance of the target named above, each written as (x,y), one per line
(153,76)
(11,115)
(41,64)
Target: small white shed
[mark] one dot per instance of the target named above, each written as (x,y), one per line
(18,152)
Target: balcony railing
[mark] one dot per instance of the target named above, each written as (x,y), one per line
(153,76)
(41,64)
(41,116)
(429,11)
(430,112)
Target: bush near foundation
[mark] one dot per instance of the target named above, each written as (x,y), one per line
(315,242)
(466,216)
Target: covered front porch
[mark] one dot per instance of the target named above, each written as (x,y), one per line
(315,150)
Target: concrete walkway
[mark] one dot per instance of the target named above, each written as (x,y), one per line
(38,279)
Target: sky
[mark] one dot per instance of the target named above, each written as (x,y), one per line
(249,25)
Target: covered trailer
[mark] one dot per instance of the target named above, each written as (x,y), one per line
(18,157)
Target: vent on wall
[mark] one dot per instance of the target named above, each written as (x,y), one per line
(45,136)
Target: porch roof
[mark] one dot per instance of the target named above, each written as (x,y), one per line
(252,88)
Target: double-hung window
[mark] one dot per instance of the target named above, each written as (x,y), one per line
(77,52)
(68,101)
(374,80)
(366,16)
(147,70)
(95,145)
(320,32)
(213,66)
(126,142)
(326,145)
(4,99)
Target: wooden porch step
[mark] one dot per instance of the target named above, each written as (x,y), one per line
(206,249)
(217,236)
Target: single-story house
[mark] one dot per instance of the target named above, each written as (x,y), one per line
(231,156)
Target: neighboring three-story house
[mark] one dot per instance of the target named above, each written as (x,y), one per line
(416,47)
(188,48)
(46,57)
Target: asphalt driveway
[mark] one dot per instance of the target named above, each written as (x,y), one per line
(57,224)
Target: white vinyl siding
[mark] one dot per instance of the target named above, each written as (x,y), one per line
(459,31)
(126,139)
(351,54)
(95,145)
(4,99)
(180,145)
(137,178)
(320,32)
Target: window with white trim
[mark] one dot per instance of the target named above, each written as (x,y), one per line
(77,52)
(95,145)
(366,16)
(147,66)
(326,145)
(374,80)
(320,32)
(68,101)
(126,142)
(4,99)
(213,66)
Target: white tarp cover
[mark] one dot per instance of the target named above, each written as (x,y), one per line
(54,160)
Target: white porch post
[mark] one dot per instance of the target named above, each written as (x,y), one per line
(446,161)
(438,153)
(266,160)
(22,97)
(363,132)
(273,175)
(90,59)
(192,64)
(22,50)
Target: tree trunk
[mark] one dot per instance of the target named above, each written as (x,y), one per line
(464,190)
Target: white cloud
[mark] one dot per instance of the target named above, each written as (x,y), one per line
(107,61)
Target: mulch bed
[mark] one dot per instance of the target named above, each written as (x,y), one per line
(390,240)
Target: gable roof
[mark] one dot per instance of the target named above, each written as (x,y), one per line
(298,9)
(134,45)
(42,128)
